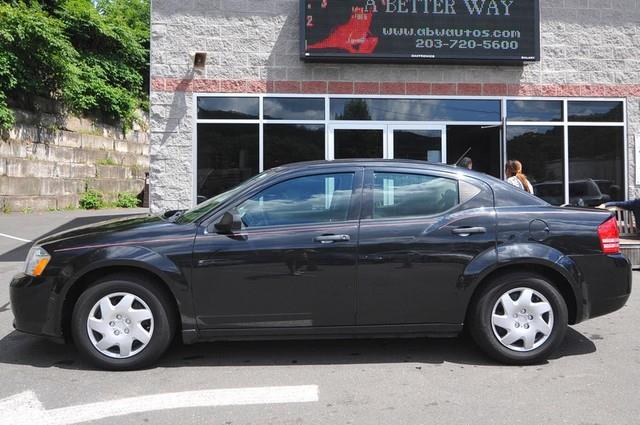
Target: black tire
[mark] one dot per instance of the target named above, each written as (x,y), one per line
(479,318)
(156,300)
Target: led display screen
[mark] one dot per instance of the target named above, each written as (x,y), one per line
(473,31)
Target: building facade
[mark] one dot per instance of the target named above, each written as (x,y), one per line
(231,96)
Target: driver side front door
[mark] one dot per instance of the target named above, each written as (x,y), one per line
(293,264)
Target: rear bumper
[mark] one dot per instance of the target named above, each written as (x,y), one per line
(606,284)
(34,307)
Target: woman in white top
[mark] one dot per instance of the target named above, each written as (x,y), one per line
(515,177)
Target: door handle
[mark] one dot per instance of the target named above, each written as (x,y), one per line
(332,238)
(467,231)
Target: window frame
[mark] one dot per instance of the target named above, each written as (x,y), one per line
(353,210)
(566,124)
(503,124)
(369,187)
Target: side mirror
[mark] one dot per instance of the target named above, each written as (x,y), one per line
(229,223)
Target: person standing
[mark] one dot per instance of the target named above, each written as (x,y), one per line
(515,177)
(632,205)
(466,162)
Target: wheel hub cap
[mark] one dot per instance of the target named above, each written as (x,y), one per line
(120,325)
(522,319)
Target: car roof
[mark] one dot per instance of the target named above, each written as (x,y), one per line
(371,163)
(388,163)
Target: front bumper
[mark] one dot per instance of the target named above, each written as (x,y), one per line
(606,283)
(34,306)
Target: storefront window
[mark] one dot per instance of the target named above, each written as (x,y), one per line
(596,165)
(227,156)
(540,150)
(228,108)
(287,143)
(587,111)
(297,128)
(293,108)
(361,109)
(534,110)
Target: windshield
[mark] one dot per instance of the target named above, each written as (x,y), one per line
(210,204)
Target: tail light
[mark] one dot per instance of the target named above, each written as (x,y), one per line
(609,236)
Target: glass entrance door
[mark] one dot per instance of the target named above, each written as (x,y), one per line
(357,141)
(388,141)
(424,143)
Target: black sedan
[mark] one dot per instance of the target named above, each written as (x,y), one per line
(337,249)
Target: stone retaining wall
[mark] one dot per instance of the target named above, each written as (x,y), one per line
(43,167)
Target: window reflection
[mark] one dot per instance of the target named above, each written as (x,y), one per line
(287,143)
(410,195)
(534,110)
(293,108)
(228,108)
(540,150)
(423,145)
(415,110)
(587,111)
(596,161)
(227,156)
(358,143)
(310,199)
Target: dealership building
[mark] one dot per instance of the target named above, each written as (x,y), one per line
(240,86)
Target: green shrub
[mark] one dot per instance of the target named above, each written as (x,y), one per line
(107,161)
(36,58)
(127,200)
(91,199)
(92,57)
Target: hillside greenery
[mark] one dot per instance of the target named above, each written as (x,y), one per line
(90,56)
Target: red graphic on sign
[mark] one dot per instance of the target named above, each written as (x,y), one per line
(354,36)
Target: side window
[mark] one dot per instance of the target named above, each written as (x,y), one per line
(310,199)
(408,195)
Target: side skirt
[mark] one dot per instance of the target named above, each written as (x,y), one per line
(439,330)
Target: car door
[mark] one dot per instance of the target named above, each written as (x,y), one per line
(419,231)
(293,263)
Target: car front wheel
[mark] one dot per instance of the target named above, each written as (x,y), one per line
(122,322)
(519,318)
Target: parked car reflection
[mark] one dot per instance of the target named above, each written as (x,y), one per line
(583,193)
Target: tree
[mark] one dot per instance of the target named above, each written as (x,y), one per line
(91,58)
(355,109)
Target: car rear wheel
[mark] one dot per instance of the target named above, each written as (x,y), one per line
(519,318)
(122,322)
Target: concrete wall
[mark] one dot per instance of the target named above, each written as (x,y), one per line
(588,48)
(42,167)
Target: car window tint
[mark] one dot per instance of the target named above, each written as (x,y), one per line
(507,195)
(310,199)
(408,195)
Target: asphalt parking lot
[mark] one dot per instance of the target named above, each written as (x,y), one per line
(593,379)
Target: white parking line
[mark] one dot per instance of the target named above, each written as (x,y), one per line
(25,408)
(14,237)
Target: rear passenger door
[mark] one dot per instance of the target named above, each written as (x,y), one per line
(419,231)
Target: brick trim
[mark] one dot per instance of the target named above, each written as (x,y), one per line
(172,85)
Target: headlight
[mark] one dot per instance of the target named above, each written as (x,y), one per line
(37,260)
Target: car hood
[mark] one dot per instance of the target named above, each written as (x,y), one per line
(110,229)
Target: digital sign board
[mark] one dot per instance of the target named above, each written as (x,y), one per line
(438,31)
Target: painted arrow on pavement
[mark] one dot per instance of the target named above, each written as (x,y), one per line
(25,408)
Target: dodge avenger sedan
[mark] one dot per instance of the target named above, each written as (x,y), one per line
(341,249)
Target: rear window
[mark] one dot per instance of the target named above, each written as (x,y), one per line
(507,196)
